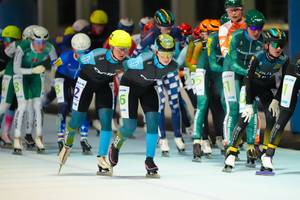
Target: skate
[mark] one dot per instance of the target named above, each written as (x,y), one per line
(229,163)
(266,166)
(5,141)
(220,145)
(206,149)
(251,158)
(151,168)
(60,144)
(197,151)
(63,156)
(30,144)
(18,146)
(180,144)
(86,147)
(104,167)
(39,145)
(164,147)
(113,155)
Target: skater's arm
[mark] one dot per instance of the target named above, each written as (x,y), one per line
(18,63)
(234,57)
(212,55)
(284,69)
(248,80)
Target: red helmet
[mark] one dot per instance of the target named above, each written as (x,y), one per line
(186,29)
(197,32)
(204,25)
(148,26)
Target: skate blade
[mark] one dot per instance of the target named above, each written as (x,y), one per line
(60,166)
(19,153)
(109,173)
(165,154)
(154,176)
(208,155)
(250,165)
(196,159)
(40,151)
(87,153)
(227,170)
(265,173)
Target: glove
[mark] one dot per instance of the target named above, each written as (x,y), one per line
(2,72)
(274,108)
(38,69)
(247,113)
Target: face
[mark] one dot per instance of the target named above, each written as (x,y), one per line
(97,29)
(204,35)
(275,49)
(79,53)
(7,41)
(39,45)
(164,57)
(254,32)
(120,53)
(165,30)
(235,14)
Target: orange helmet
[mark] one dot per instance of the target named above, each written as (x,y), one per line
(197,32)
(204,25)
(214,25)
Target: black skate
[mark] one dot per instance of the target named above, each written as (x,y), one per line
(265,171)
(30,144)
(113,155)
(197,152)
(227,169)
(60,144)
(251,158)
(151,168)
(86,147)
(17,146)
(17,151)
(104,167)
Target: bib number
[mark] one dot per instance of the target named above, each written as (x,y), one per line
(123,100)
(229,86)
(80,85)
(287,90)
(198,81)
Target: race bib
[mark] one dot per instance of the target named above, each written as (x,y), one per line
(18,86)
(187,78)
(123,100)
(287,90)
(198,81)
(242,99)
(80,85)
(229,86)
(59,90)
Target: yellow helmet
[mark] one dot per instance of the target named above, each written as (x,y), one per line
(11,32)
(120,38)
(98,17)
(69,30)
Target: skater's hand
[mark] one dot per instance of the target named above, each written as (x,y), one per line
(38,69)
(274,108)
(247,113)
(2,72)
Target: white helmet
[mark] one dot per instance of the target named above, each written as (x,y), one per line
(27,32)
(40,33)
(80,24)
(81,41)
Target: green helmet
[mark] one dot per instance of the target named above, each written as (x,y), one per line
(275,34)
(233,3)
(165,42)
(224,18)
(254,18)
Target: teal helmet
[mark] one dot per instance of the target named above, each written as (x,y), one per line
(224,18)
(164,18)
(254,18)
(233,3)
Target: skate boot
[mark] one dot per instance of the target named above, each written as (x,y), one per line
(220,145)
(39,145)
(180,144)
(266,166)
(251,158)
(230,160)
(104,167)
(60,143)
(151,168)
(113,155)
(30,144)
(206,148)
(197,151)
(63,156)
(18,146)
(6,141)
(164,147)
(86,147)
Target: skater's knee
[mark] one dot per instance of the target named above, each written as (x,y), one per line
(77,119)
(129,126)
(152,119)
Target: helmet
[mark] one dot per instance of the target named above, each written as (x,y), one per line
(69,30)
(120,38)
(126,24)
(254,18)
(233,3)
(40,33)
(214,25)
(98,17)
(164,18)
(27,32)
(275,34)
(196,32)
(186,29)
(11,32)
(80,24)
(144,21)
(148,26)
(81,42)
(165,42)
(224,18)
(204,25)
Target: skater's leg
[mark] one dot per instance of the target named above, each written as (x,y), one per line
(105,116)
(77,118)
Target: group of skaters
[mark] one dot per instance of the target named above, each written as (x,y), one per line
(230,66)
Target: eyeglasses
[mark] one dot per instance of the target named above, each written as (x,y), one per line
(256,28)
(123,50)
(8,40)
(39,42)
(235,9)
(275,44)
(166,54)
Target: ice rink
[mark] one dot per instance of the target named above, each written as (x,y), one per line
(33,176)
